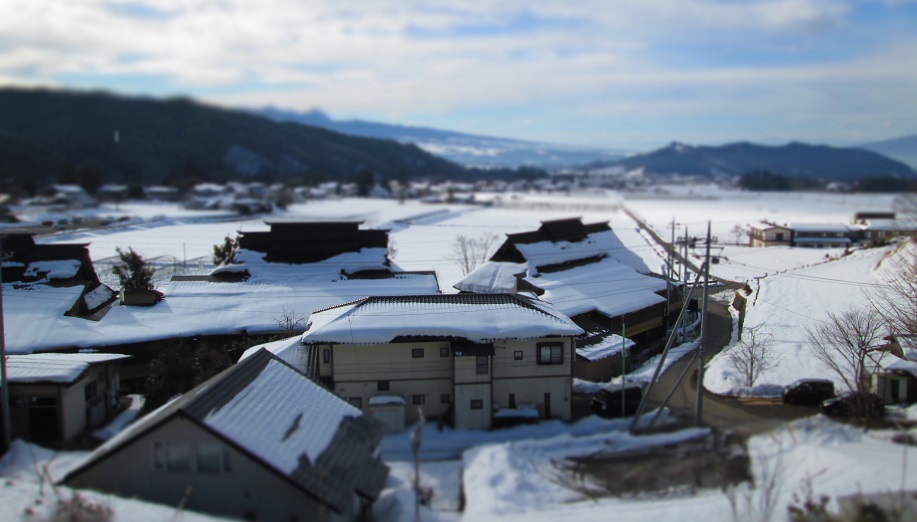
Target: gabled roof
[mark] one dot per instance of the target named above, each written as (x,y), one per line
(476,317)
(54,367)
(569,229)
(280,418)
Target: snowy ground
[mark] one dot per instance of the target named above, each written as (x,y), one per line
(508,474)
(521,479)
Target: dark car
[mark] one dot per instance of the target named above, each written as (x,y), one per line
(809,392)
(607,402)
(854,405)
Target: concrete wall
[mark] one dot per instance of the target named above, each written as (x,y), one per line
(248,489)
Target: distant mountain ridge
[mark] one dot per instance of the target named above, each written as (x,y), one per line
(466,149)
(44,133)
(796,160)
(903,149)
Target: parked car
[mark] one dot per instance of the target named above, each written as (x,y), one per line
(809,392)
(607,402)
(851,405)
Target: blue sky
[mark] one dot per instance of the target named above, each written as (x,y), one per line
(615,73)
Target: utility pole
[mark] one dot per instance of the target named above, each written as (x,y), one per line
(4,386)
(623,369)
(670,274)
(703,336)
(684,291)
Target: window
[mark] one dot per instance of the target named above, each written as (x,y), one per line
(356,402)
(91,390)
(444,351)
(517,355)
(417,353)
(382,386)
(417,400)
(172,456)
(445,399)
(550,353)
(481,366)
(326,356)
(477,404)
(213,458)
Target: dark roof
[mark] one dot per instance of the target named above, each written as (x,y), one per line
(570,229)
(347,464)
(311,241)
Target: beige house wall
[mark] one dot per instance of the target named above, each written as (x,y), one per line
(430,391)
(465,415)
(442,383)
(393,361)
(248,490)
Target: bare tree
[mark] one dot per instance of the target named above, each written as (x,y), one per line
(846,344)
(898,304)
(469,252)
(752,356)
(739,232)
(290,320)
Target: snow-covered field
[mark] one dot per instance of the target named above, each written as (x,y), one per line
(509,474)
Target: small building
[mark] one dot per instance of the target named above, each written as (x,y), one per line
(57,397)
(895,379)
(462,358)
(769,234)
(298,241)
(820,235)
(58,265)
(162,193)
(259,441)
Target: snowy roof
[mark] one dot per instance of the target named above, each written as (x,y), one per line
(607,346)
(60,269)
(289,350)
(819,227)
(194,307)
(492,277)
(605,243)
(606,286)
(476,317)
(838,240)
(902,365)
(367,259)
(279,416)
(53,367)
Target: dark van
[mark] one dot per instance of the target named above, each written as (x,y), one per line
(809,392)
(607,402)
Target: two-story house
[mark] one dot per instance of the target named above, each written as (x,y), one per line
(461,358)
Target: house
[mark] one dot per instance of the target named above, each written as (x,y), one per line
(259,441)
(113,192)
(56,397)
(895,379)
(298,241)
(57,265)
(161,193)
(769,234)
(590,276)
(466,359)
(820,235)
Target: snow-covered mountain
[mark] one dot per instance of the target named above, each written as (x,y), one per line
(466,149)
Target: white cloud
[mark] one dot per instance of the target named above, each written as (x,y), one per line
(588,59)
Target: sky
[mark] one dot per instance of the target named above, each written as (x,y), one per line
(610,73)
